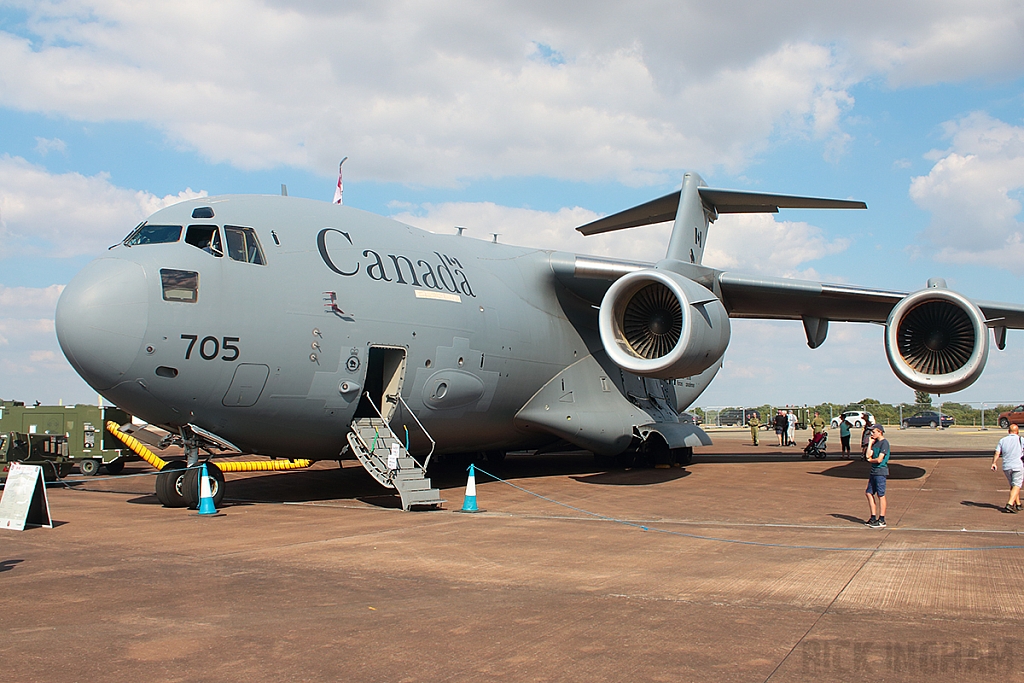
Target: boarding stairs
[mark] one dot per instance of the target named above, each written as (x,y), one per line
(370,439)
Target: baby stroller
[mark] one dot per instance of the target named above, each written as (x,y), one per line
(816,446)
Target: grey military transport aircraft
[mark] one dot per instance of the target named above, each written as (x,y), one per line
(296,328)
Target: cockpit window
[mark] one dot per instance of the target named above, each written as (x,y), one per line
(180,285)
(243,245)
(205,237)
(153,234)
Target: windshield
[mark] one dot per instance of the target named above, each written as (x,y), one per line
(153,234)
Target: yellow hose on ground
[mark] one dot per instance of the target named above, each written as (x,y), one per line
(136,446)
(262,465)
(231,466)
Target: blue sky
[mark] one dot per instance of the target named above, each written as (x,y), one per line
(528,120)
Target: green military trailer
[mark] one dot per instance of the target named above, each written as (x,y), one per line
(47,450)
(90,445)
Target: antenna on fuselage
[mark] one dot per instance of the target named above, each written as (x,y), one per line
(460,229)
(284,190)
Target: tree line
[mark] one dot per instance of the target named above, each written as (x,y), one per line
(886,413)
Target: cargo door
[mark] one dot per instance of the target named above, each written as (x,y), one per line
(385,373)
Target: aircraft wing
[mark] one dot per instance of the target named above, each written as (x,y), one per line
(771,298)
(748,296)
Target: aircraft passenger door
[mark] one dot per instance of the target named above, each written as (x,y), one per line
(385,373)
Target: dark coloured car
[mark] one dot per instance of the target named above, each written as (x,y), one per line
(1015,416)
(730,416)
(929,418)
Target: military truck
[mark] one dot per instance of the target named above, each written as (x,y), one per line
(48,450)
(90,445)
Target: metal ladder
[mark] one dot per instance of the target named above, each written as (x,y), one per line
(370,439)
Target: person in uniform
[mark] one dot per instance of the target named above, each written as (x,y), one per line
(817,424)
(755,424)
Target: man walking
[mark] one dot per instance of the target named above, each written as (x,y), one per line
(878,456)
(790,429)
(1011,449)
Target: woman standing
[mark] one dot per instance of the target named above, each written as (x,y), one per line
(844,437)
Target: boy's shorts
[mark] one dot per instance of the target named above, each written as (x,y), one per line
(876,484)
(1015,477)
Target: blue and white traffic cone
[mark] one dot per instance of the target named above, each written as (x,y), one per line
(469,504)
(206,506)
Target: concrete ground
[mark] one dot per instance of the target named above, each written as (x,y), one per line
(752,564)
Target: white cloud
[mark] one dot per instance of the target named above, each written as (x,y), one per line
(46,145)
(757,243)
(538,229)
(68,214)
(973,193)
(754,243)
(32,366)
(431,94)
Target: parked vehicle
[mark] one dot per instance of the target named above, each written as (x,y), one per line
(1015,416)
(50,451)
(928,418)
(858,418)
(90,446)
(737,416)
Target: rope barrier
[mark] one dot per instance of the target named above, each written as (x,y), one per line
(715,539)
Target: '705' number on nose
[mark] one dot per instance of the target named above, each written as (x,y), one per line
(209,347)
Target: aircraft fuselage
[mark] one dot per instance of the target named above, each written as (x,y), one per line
(338,309)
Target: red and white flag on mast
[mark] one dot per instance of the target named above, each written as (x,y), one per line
(340,190)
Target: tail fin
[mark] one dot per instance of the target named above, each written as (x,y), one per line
(695,205)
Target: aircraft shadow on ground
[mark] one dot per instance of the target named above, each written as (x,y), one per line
(858,469)
(632,477)
(8,565)
(355,484)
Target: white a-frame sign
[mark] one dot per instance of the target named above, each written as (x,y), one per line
(24,501)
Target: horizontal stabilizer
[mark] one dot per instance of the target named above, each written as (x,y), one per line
(664,208)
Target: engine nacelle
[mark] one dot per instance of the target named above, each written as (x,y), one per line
(656,323)
(936,341)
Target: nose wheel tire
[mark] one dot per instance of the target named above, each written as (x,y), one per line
(190,485)
(169,484)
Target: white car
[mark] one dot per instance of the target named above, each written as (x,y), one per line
(856,417)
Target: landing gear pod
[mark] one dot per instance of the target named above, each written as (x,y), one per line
(657,323)
(936,340)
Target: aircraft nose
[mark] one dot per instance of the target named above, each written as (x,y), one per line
(101,319)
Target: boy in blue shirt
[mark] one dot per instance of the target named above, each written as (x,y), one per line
(878,456)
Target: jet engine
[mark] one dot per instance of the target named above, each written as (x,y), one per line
(936,341)
(657,323)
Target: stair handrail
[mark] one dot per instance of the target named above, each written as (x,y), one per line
(433,444)
(366,446)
